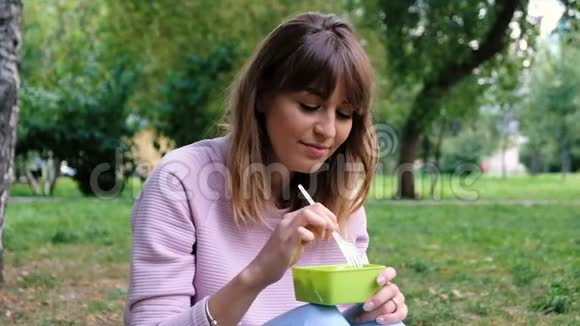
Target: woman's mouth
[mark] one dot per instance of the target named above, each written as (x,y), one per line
(315,151)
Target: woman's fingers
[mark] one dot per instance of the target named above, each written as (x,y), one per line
(380,298)
(324,211)
(386,276)
(387,292)
(399,315)
(314,221)
(306,236)
(386,301)
(392,311)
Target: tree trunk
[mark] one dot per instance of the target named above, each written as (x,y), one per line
(426,149)
(52,177)
(503,152)
(565,161)
(437,158)
(32,182)
(10,39)
(426,105)
(439,145)
(546,166)
(408,152)
(535,162)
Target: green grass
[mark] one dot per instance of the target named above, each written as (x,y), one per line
(67,187)
(540,187)
(66,262)
(469,264)
(39,280)
(88,222)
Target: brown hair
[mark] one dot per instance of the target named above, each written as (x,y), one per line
(309,52)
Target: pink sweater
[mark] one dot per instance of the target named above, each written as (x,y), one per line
(186,245)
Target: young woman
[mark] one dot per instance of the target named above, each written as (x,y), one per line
(220,222)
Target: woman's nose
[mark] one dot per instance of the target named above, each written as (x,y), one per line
(325,126)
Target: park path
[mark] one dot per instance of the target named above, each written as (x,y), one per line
(458,202)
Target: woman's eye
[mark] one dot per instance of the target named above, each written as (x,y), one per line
(343,115)
(309,107)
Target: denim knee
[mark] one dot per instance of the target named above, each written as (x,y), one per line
(357,310)
(310,315)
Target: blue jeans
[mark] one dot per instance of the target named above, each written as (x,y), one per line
(317,315)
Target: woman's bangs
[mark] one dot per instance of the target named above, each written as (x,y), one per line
(318,65)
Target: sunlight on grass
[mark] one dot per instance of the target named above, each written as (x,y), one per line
(67,187)
(540,187)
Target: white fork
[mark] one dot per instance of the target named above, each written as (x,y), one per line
(349,251)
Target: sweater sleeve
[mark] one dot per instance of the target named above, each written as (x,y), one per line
(162,263)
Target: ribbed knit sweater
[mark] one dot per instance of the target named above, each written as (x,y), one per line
(186,245)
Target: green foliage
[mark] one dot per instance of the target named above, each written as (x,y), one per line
(434,47)
(187,53)
(184,112)
(75,107)
(452,121)
(467,148)
(83,122)
(423,39)
(550,114)
(102,137)
(570,24)
(191,51)
(468,142)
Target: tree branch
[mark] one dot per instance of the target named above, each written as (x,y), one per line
(493,43)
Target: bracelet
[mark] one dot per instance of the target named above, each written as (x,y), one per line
(212,321)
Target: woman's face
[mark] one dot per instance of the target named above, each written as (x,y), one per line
(305,130)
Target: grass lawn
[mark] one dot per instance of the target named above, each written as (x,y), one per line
(66,262)
(540,187)
(66,187)
(482,265)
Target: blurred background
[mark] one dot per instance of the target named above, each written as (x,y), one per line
(476,201)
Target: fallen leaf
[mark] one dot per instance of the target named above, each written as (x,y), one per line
(457,293)
(5,299)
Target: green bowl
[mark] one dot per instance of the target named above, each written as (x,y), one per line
(335,284)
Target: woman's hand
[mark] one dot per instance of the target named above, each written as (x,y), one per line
(286,244)
(387,306)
